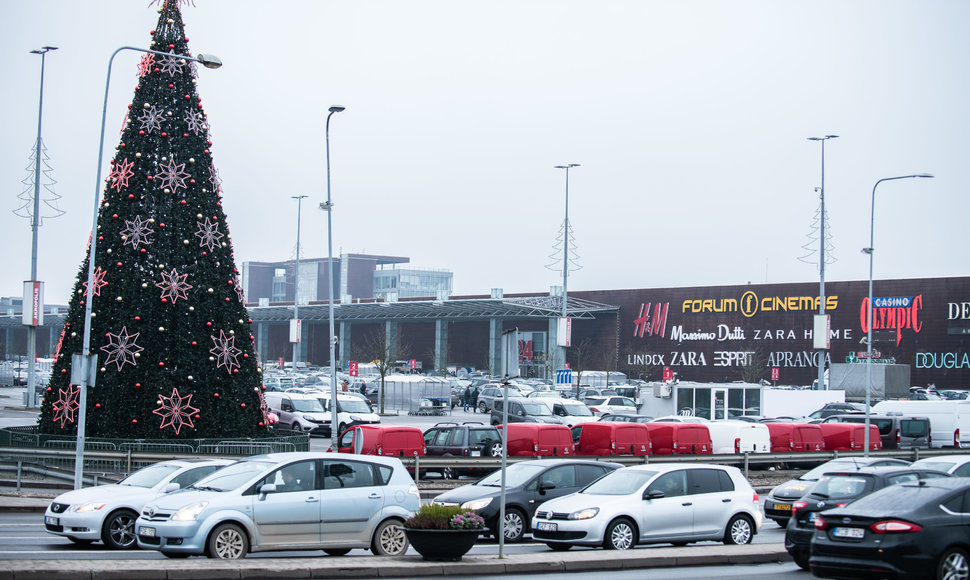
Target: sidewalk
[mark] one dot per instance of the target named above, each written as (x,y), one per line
(578,559)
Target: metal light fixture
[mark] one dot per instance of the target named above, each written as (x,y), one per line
(821,258)
(565,248)
(296,281)
(328,207)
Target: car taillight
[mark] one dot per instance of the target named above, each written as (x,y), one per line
(737,445)
(894,527)
(797,506)
(820,523)
(754,498)
(956,438)
(465,452)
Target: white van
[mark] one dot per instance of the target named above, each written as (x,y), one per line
(351,411)
(739,437)
(299,412)
(949,420)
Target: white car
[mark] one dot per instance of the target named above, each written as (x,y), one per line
(611,405)
(351,410)
(107,513)
(571,411)
(656,503)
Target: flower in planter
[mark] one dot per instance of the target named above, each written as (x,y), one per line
(439,517)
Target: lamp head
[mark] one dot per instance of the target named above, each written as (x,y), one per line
(208,60)
(925,175)
(43,50)
(337,109)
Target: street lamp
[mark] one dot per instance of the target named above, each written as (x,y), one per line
(296,281)
(328,207)
(869,250)
(821,261)
(565,246)
(34,224)
(87,363)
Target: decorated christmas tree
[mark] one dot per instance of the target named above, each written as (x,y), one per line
(169,326)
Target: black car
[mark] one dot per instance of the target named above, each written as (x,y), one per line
(911,530)
(626,418)
(527,484)
(830,409)
(778,504)
(836,489)
(470,439)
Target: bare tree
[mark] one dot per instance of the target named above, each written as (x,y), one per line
(755,365)
(583,354)
(379,351)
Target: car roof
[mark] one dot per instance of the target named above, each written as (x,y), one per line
(664,467)
(288,456)
(879,470)
(550,462)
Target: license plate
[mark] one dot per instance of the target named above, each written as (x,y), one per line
(547,527)
(52,521)
(476,453)
(853,533)
(783,507)
(812,516)
(147,532)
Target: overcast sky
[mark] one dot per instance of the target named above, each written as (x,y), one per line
(689,120)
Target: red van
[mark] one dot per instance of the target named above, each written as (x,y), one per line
(539,439)
(614,438)
(387,440)
(679,438)
(849,436)
(788,437)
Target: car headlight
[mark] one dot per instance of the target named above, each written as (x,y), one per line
(308,418)
(355,418)
(189,512)
(584,514)
(476,504)
(87,507)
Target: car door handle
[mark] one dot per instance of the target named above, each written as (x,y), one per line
(374,496)
(312,499)
(687,503)
(726,500)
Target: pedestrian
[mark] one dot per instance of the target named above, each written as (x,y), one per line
(475,400)
(345,386)
(466,398)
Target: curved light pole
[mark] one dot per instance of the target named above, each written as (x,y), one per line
(87,363)
(296,280)
(328,207)
(869,250)
(821,259)
(34,224)
(565,248)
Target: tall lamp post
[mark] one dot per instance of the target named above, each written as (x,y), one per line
(565,247)
(328,207)
(34,224)
(869,250)
(821,262)
(83,366)
(296,282)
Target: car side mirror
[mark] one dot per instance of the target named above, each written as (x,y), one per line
(653,494)
(287,407)
(545,486)
(170,487)
(266,488)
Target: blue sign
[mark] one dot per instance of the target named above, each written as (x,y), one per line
(564,376)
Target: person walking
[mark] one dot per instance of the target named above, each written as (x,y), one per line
(466,398)
(475,400)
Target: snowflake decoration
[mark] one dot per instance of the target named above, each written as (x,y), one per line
(170,65)
(214,179)
(60,341)
(195,120)
(151,118)
(175,411)
(120,174)
(66,404)
(240,293)
(173,176)
(263,408)
(99,282)
(208,234)
(146,65)
(225,351)
(136,232)
(121,348)
(173,286)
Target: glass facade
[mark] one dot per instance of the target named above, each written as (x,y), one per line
(719,402)
(411,283)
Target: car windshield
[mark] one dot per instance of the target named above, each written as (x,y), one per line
(944,466)
(619,482)
(149,476)
(233,476)
(841,486)
(577,410)
(536,408)
(515,475)
(352,406)
(307,406)
(834,465)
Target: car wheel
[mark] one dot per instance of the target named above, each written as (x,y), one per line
(558,547)
(227,542)
(337,552)
(801,561)
(953,565)
(341,428)
(482,408)
(782,523)
(448,473)
(494,450)
(296,427)
(739,530)
(389,539)
(514,525)
(620,535)
(118,531)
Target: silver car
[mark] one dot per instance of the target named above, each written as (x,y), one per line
(656,503)
(108,512)
(286,501)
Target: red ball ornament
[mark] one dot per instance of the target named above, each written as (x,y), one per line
(192,181)
(137,384)
(208,324)
(131,196)
(141,132)
(245,355)
(182,202)
(118,264)
(114,216)
(206,151)
(186,39)
(185,134)
(230,282)
(134,421)
(164,300)
(158,70)
(216,395)
(152,33)
(236,372)
(150,178)
(171,86)
(187,97)
(48,389)
(161,225)
(97,405)
(205,253)
(196,415)
(227,299)
(164,134)
(171,46)
(161,364)
(63,371)
(123,145)
(209,143)
(100,238)
(260,423)
(143,250)
(194,343)
(243,405)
